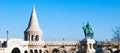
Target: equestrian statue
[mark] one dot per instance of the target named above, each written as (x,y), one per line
(89,34)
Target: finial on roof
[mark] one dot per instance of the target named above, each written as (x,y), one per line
(33,6)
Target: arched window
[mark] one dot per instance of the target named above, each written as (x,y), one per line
(26,51)
(25,38)
(55,51)
(90,46)
(36,51)
(15,50)
(29,37)
(40,51)
(31,51)
(73,51)
(32,38)
(78,52)
(64,51)
(37,38)
(46,51)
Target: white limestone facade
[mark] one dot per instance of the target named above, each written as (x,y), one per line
(88,45)
(33,42)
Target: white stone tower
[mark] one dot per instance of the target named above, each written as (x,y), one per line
(33,31)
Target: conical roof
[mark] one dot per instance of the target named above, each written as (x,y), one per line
(33,23)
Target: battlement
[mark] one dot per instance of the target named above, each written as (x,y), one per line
(62,43)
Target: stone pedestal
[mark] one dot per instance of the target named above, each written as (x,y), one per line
(88,45)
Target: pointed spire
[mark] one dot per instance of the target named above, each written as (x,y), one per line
(33,23)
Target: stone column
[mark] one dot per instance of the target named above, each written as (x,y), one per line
(30,37)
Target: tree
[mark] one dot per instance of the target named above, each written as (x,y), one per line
(116,36)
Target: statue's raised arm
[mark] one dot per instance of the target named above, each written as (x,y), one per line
(88,31)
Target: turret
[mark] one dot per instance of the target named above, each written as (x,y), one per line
(33,31)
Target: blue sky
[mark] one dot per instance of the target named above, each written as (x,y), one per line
(60,18)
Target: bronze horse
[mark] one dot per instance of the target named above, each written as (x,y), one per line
(88,31)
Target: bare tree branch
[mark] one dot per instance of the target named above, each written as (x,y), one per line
(116,36)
